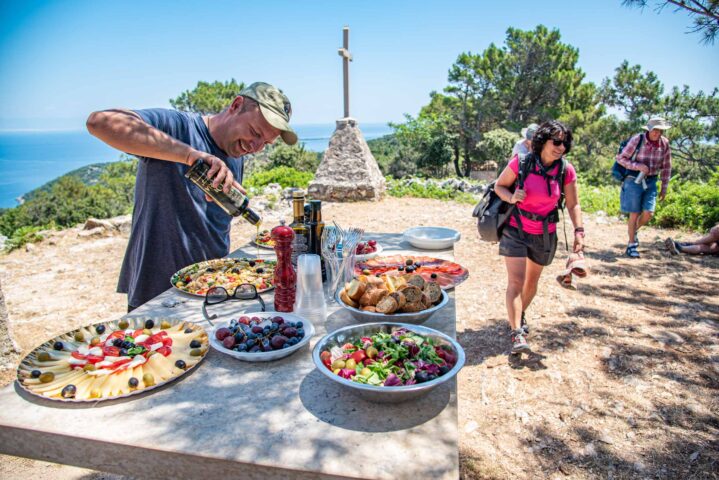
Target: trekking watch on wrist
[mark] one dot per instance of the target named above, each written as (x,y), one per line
(579,231)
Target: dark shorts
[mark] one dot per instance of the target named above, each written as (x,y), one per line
(531,246)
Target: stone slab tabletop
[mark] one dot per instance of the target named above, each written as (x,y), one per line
(229,418)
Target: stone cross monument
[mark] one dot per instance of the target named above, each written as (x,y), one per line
(348,171)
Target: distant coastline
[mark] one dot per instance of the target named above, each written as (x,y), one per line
(30,158)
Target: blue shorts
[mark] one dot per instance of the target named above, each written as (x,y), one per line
(635,199)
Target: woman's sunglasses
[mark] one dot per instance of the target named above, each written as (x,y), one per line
(216,295)
(557,142)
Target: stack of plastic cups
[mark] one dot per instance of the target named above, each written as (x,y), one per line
(310,298)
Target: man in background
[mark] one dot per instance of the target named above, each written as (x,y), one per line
(173,223)
(639,189)
(524,146)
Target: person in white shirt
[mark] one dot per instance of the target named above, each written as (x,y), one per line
(524,146)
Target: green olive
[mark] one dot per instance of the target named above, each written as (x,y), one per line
(79,337)
(95,341)
(338,364)
(195,352)
(47,377)
(89,367)
(350,363)
(147,331)
(165,325)
(371,352)
(43,357)
(148,379)
(123,324)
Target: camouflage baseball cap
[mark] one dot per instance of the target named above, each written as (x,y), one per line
(275,107)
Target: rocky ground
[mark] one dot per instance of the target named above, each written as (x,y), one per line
(623,381)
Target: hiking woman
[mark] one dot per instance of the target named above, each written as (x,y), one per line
(529,241)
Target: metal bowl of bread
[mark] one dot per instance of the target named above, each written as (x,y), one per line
(407,298)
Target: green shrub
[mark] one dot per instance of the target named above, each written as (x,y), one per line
(402,188)
(295,156)
(690,205)
(23,235)
(599,198)
(285,176)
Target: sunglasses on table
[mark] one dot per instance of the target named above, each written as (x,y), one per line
(215,295)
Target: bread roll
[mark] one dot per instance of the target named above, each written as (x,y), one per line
(412,293)
(413,307)
(373,296)
(399,298)
(387,305)
(356,289)
(416,280)
(434,291)
(348,301)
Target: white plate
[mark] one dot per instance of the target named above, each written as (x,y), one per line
(431,238)
(367,256)
(264,356)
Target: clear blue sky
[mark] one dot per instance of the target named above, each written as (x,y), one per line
(61,60)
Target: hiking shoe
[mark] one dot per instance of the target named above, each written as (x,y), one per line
(631,250)
(519,343)
(523,326)
(672,246)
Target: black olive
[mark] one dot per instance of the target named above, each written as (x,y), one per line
(195,344)
(189,330)
(443,370)
(252,264)
(209,270)
(58,346)
(378,275)
(133,382)
(400,268)
(123,352)
(149,323)
(235,270)
(69,391)
(181,364)
(100,329)
(409,269)
(260,270)
(434,275)
(421,376)
(35,373)
(117,342)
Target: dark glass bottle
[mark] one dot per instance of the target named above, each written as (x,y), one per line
(234,203)
(302,233)
(316,226)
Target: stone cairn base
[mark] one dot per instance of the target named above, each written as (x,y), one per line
(349,171)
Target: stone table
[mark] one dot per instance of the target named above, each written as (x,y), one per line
(232,419)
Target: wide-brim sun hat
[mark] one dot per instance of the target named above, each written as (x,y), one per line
(659,123)
(275,107)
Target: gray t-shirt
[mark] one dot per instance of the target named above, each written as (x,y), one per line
(519,149)
(173,225)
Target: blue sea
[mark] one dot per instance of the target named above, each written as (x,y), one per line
(29,159)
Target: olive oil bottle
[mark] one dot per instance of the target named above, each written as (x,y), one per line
(300,244)
(234,203)
(316,226)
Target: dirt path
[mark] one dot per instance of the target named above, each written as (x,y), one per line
(623,381)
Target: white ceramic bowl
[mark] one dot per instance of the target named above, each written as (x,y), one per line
(431,238)
(264,356)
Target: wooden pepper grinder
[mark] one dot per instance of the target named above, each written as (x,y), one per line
(285,277)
